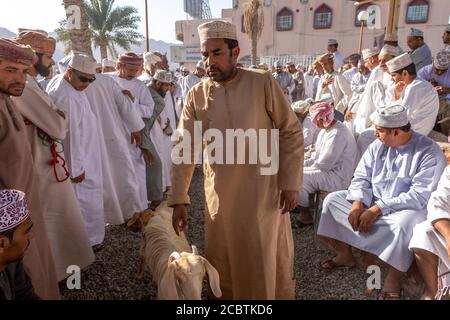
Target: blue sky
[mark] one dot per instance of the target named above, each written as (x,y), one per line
(45,14)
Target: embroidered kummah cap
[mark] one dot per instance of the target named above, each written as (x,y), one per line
(394,116)
(38,40)
(442,60)
(13,209)
(278,64)
(391,37)
(217,30)
(413,32)
(390,50)
(370,52)
(400,62)
(163,76)
(83,63)
(332,42)
(17,53)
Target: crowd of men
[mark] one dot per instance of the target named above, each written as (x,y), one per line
(92,145)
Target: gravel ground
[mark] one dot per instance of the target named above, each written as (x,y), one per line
(113,275)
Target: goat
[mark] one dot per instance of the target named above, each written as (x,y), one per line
(177,272)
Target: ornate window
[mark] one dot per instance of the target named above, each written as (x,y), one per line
(285,20)
(417,11)
(360,8)
(323,17)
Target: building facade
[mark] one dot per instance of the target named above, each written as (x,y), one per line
(302,27)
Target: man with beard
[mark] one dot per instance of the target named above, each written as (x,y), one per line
(420,51)
(284,79)
(46,128)
(248,236)
(128,67)
(17,169)
(15,238)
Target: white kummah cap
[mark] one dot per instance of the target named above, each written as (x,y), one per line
(163,76)
(200,65)
(413,32)
(394,116)
(442,60)
(370,52)
(184,69)
(13,209)
(83,63)
(108,63)
(278,64)
(391,37)
(390,50)
(302,106)
(217,29)
(332,42)
(400,62)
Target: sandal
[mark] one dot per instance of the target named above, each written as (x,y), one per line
(330,264)
(384,295)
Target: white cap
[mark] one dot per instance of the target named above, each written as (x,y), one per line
(390,50)
(400,62)
(391,37)
(332,42)
(13,209)
(201,65)
(151,58)
(277,64)
(442,60)
(83,63)
(108,63)
(413,32)
(394,116)
(370,52)
(163,76)
(217,29)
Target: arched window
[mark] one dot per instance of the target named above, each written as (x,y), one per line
(360,8)
(285,20)
(267,3)
(323,16)
(417,11)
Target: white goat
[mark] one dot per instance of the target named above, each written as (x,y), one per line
(177,272)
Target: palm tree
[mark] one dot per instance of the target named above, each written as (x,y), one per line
(253,24)
(113,27)
(80,39)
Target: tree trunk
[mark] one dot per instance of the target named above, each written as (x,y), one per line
(80,38)
(254,50)
(254,42)
(103,51)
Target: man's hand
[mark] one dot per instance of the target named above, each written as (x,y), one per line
(354,214)
(148,157)
(327,81)
(368,218)
(180,218)
(434,83)
(441,90)
(348,115)
(79,179)
(399,86)
(288,201)
(136,137)
(128,94)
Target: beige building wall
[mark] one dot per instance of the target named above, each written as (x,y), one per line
(303,39)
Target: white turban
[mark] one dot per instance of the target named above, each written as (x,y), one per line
(83,63)
(151,58)
(394,116)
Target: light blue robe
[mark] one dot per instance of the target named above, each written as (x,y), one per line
(400,181)
(422,56)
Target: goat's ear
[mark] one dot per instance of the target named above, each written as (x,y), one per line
(133,220)
(194,251)
(214,278)
(167,288)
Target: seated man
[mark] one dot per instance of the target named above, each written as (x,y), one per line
(15,226)
(431,238)
(386,199)
(310,131)
(438,74)
(331,166)
(416,95)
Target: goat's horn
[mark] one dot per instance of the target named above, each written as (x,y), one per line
(194,250)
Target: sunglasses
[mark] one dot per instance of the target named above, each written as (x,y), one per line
(83,79)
